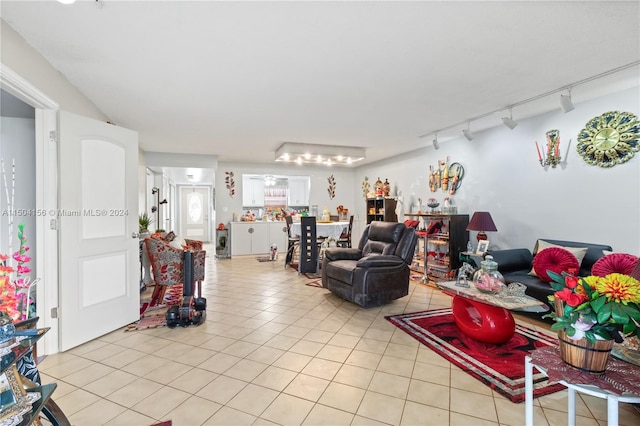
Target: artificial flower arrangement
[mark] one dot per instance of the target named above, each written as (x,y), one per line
(15,284)
(596,308)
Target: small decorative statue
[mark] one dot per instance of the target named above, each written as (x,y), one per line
(464,274)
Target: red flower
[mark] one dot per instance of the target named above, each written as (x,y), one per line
(572,299)
(571,281)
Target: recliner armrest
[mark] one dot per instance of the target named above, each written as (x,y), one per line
(342,254)
(377,261)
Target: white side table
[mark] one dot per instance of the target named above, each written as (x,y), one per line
(612,398)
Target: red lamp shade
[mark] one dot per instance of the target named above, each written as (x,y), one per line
(481,222)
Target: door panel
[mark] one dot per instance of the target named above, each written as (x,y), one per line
(195,213)
(99,289)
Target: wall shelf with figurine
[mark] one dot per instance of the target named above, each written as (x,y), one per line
(381,208)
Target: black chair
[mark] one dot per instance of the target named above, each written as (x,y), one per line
(345,238)
(308,262)
(292,242)
(377,271)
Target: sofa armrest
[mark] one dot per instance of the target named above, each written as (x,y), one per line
(377,261)
(342,254)
(194,244)
(512,259)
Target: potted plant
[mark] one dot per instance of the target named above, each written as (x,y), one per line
(144,221)
(591,313)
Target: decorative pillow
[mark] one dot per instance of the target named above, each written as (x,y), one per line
(178,242)
(578,252)
(554,259)
(170,236)
(622,263)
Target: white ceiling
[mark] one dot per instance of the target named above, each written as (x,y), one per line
(237,79)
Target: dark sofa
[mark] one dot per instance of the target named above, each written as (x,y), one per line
(515,264)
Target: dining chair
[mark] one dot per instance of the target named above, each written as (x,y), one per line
(308,262)
(345,238)
(293,242)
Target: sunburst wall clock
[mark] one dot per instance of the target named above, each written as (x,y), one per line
(609,139)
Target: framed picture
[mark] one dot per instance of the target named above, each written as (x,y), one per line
(13,397)
(483,246)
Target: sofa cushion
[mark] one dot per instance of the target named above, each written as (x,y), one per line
(554,259)
(578,252)
(341,270)
(621,263)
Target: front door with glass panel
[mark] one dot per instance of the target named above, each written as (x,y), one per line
(195,212)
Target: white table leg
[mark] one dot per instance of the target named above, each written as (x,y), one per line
(612,410)
(571,406)
(528,391)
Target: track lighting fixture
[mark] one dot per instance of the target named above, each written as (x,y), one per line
(565,103)
(509,121)
(436,144)
(467,132)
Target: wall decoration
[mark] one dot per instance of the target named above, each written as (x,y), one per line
(609,139)
(550,156)
(366,187)
(447,177)
(230,183)
(332,187)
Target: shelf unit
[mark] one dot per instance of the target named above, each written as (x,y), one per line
(222,244)
(441,249)
(383,209)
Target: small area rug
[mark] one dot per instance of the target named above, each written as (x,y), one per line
(501,367)
(314,284)
(153,317)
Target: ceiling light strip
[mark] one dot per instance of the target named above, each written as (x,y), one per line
(543,95)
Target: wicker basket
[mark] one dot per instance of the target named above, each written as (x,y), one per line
(580,354)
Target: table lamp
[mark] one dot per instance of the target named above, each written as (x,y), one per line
(481,222)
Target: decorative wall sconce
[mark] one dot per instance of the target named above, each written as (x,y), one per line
(154,209)
(552,155)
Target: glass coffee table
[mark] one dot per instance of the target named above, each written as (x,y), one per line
(487,317)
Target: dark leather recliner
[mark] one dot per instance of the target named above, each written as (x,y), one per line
(377,271)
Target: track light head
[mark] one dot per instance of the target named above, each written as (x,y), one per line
(436,144)
(509,122)
(566,104)
(467,134)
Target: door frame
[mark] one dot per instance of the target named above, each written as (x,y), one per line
(46,147)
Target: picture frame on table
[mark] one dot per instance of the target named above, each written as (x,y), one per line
(483,246)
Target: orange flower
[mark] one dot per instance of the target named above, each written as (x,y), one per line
(619,288)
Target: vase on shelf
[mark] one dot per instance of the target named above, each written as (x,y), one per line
(386,188)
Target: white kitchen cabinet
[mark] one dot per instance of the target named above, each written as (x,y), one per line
(278,235)
(252,191)
(298,191)
(249,238)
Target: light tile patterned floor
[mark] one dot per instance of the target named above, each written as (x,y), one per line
(276,351)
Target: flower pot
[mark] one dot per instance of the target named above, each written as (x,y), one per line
(588,357)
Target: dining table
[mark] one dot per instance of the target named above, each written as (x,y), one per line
(324,229)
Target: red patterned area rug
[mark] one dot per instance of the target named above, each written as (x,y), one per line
(501,367)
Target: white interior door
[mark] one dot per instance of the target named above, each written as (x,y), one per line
(194,213)
(99,289)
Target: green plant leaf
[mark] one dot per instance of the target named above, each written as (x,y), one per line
(598,303)
(619,314)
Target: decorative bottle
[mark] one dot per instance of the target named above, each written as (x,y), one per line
(378,186)
(386,188)
(488,279)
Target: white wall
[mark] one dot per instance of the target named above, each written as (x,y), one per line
(30,65)
(17,142)
(575,201)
